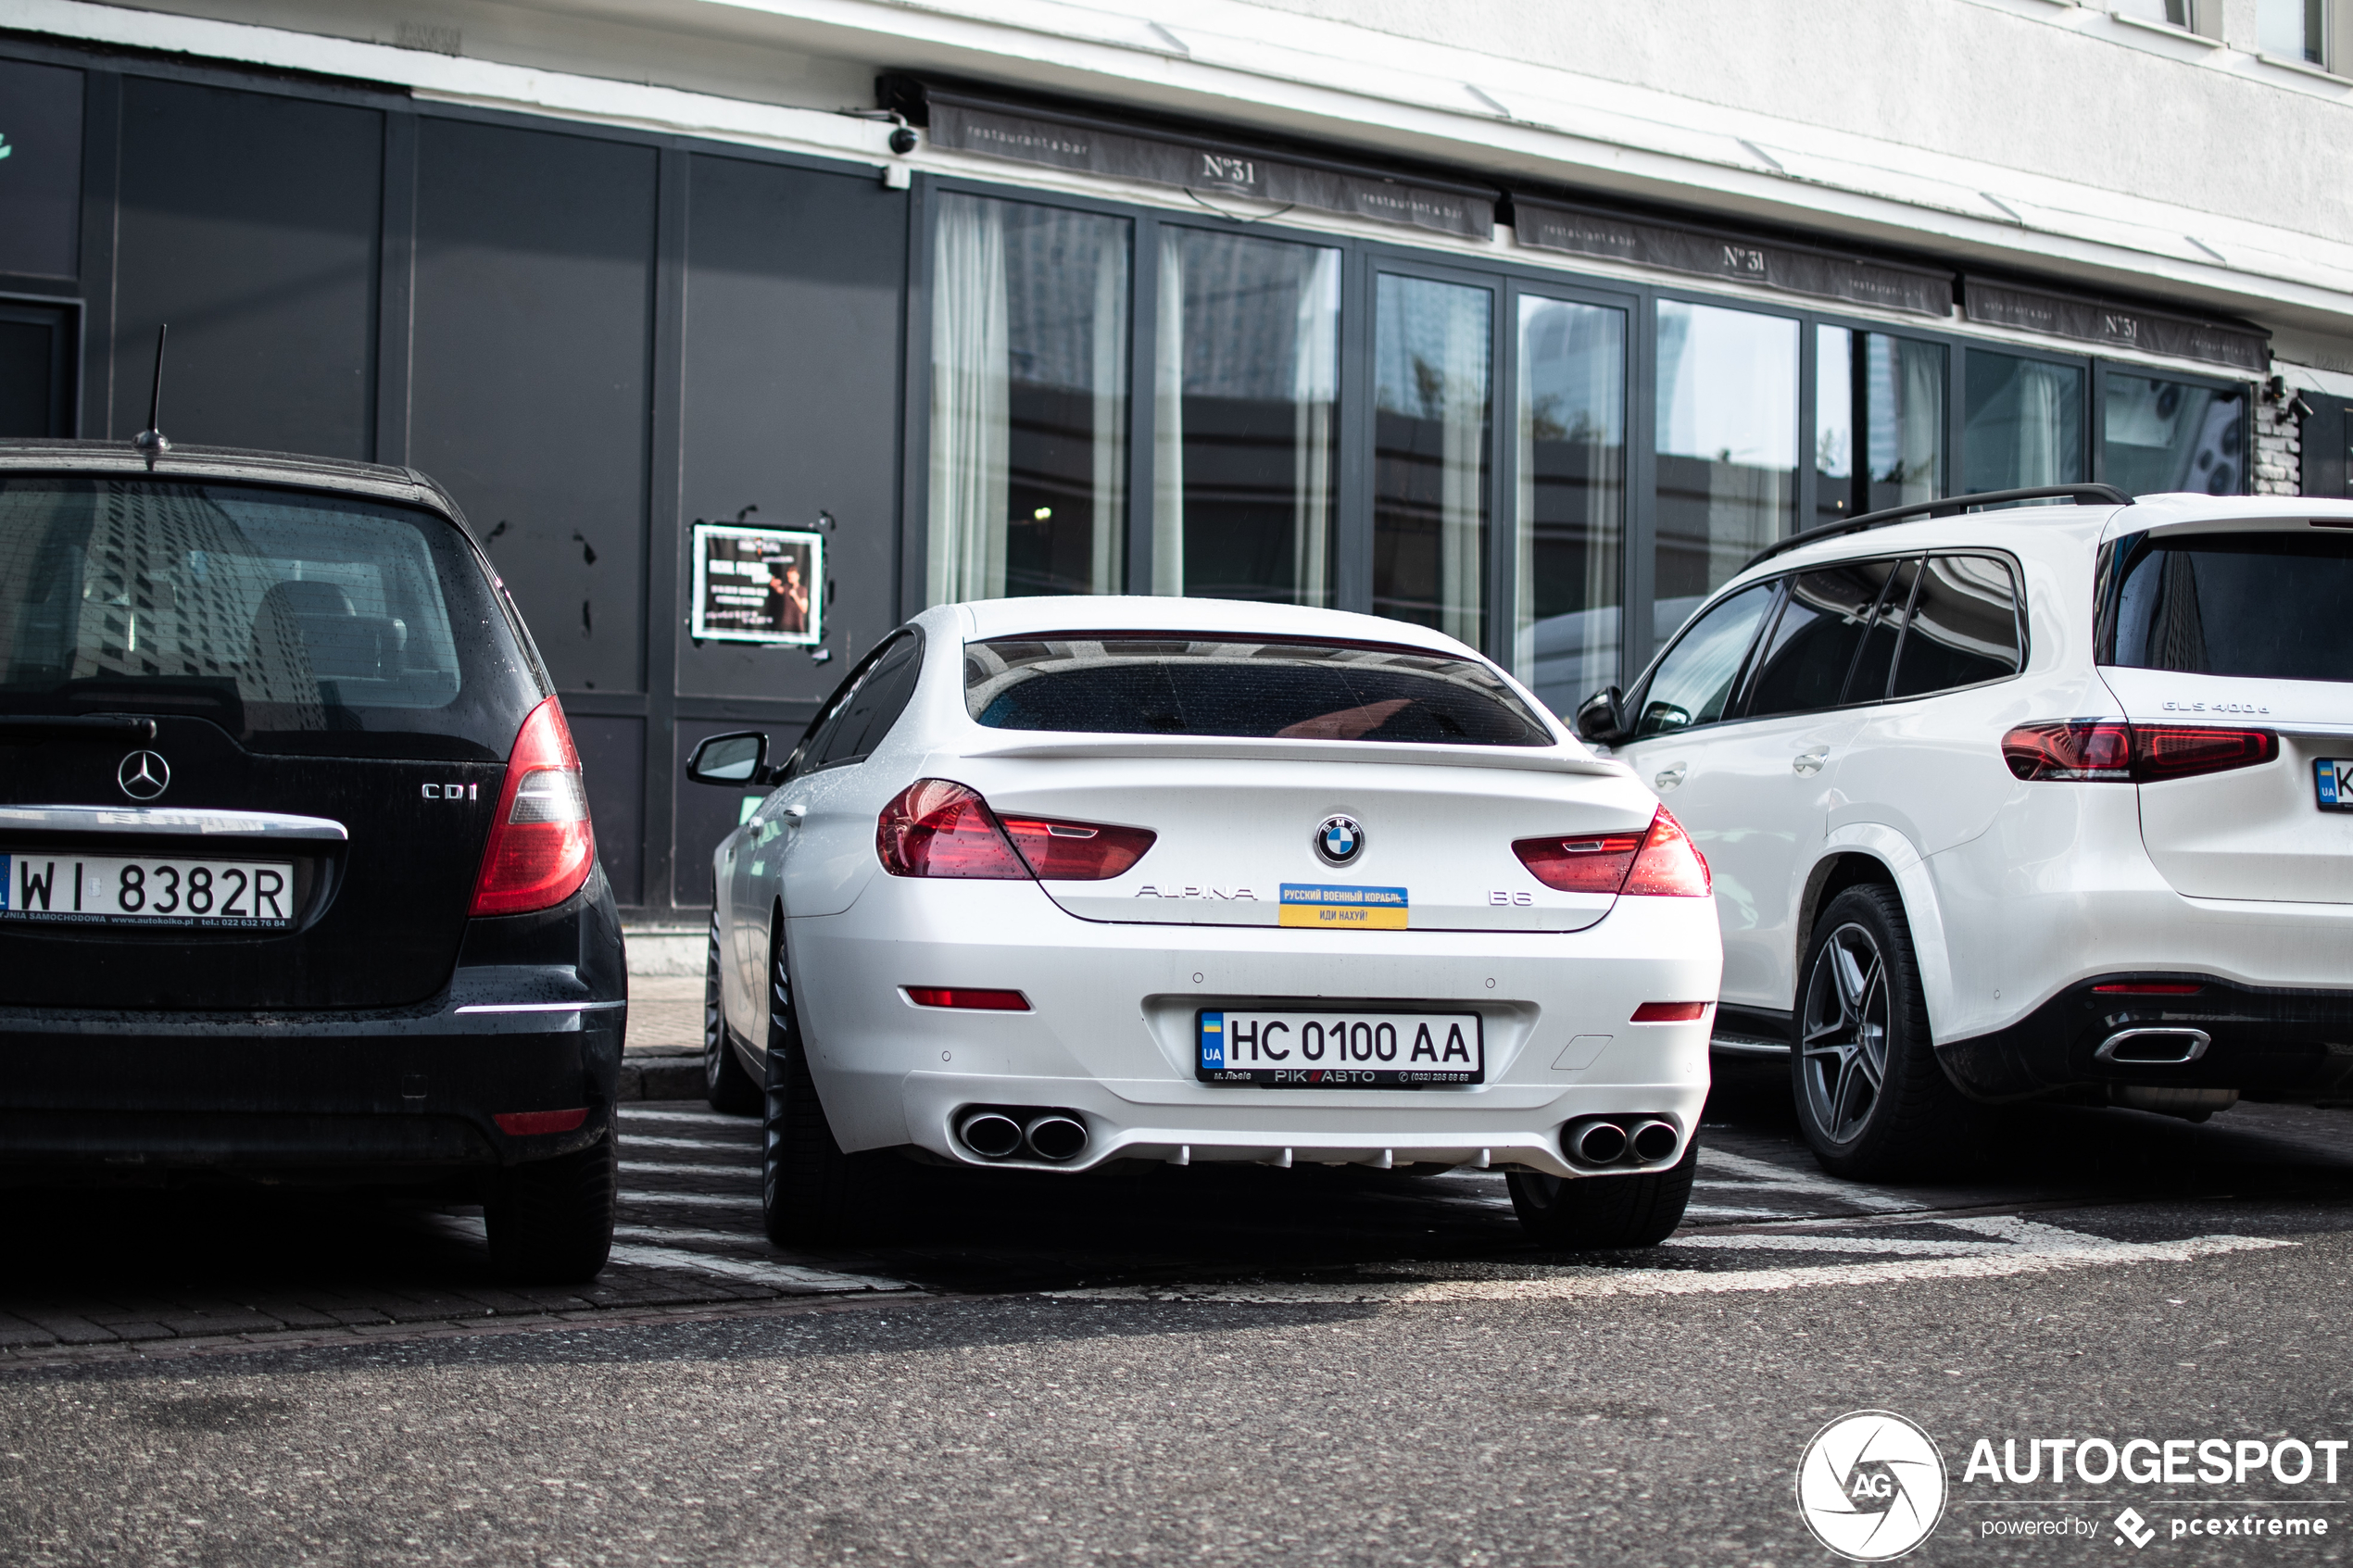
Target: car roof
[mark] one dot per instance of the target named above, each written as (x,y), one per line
(375,480)
(1061,615)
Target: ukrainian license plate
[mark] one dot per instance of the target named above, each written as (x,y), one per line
(112,890)
(2334,778)
(1341,1049)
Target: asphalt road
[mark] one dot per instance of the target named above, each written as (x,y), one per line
(1223,1365)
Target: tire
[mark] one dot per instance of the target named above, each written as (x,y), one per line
(1593,1213)
(810,1193)
(725,1083)
(1871,1099)
(551,1221)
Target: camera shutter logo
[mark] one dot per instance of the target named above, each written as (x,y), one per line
(1872,1486)
(143,775)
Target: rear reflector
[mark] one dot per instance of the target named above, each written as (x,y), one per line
(527,1123)
(935,827)
(2108,751)
(2148,988)
(972,996)
(1670,1013)
(1660,863)
(1075,851)
(542,846)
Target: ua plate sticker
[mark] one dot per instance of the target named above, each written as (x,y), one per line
(1327,908)
(2334,777)
(1340,1049)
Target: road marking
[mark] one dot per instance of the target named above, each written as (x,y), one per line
(658,1168)
(706,1118)
(1726,1211)
(1761,1178)
(2015,1246)
(786,1276)
(700,1199)
(639,1140)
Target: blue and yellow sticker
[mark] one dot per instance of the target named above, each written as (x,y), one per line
(1213,1040)
(1343,909)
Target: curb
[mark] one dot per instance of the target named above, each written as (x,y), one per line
(662,1078)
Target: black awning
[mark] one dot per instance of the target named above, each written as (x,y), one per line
(2115,324)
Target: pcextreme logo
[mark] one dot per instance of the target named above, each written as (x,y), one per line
(1872,1486)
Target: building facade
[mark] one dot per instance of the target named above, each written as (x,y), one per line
(1527,321)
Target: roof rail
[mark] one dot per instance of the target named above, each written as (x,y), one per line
(1951,505)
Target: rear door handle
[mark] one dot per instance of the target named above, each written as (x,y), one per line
(1810,761)
(795,811)
(1668,778)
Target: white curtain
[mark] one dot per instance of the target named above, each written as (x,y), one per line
(1581,351)
(2042,391)
(1168,421)
(1463,454)
(1111,414)
(969,423)
(1314,394)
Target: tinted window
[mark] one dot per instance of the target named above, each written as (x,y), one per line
(1964,626)
(300,623)
(858,726)
(2234,604)
(1291,690)
(1813,644)
(1876,661)
(1696,679)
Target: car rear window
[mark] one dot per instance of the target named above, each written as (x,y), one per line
(301,623)
(2268,605)
(1295,690)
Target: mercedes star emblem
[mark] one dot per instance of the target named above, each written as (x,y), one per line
(144,775)
(1339,840)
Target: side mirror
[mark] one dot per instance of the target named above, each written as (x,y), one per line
(732,760)
(1601,718)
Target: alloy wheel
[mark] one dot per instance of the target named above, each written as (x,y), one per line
(1842,1048)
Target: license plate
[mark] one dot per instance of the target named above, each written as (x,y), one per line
(1341,1049)
(112,890)
(2333,776)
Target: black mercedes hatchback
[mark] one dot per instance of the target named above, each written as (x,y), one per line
(297,881)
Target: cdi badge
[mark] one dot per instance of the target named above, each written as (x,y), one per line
(758,584)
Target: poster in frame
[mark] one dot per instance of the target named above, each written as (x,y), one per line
(758,585)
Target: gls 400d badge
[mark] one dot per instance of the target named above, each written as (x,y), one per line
(1872,1486)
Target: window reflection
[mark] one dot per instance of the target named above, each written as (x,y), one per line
(1571,507)
(1431,418)
(1726,441)
(1245,418)
(2024,423)
(1892,390)
(2170,435)
(1029,401)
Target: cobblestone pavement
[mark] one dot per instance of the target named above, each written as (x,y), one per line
(142,1272)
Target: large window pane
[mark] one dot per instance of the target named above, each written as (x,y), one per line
(2170,435)
(1244,425)
(1834,424)
(1572,508)
(2024,423)
(2293,29)
(1431,416)
(1892,390)
(1727,445)
(1029,400)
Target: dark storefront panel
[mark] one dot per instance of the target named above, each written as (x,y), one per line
(532,370)
(612,765)
(794,285)
(2327,436)
(40,177)
(249,223)
(36,367)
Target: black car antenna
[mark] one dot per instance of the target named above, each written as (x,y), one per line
(150,441)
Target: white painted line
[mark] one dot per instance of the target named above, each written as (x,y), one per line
(1760,1176)
(658,1168)
(698,1199)
(708,1118)
(641,1140)
(1726,1212)
(2037,1249)
(683,1234)
(787,1275)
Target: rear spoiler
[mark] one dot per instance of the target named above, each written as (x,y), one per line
(1070,747)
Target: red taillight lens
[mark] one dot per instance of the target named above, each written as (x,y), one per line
(2104,750)
(937,828)
(978,998)
(1670,1013)
(542,846)
(1075,851)
(529,1123)
(1661,862)
(2148,988)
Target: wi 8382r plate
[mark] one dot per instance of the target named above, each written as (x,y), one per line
(115,890)
(1341,1049)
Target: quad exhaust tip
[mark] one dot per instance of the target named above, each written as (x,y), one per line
(1002,1132)
(1601,1141)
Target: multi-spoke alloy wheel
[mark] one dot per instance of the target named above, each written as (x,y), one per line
(725,1083)
(1871,1099)
(1843,1034)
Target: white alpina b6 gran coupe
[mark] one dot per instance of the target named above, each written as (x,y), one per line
(1055,882)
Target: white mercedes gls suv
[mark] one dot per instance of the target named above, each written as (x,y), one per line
(1054,881)
(2048,801)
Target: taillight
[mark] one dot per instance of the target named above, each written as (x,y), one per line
(542,846)
(1660,863)
(974,998)
(937,828)
(2105,750)
(1076,851)
(2148,988)
(1670,1013)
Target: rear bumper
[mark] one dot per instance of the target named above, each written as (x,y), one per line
(2269,1041)
(404,1094)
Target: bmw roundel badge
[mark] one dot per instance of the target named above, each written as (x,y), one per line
(1339,840)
